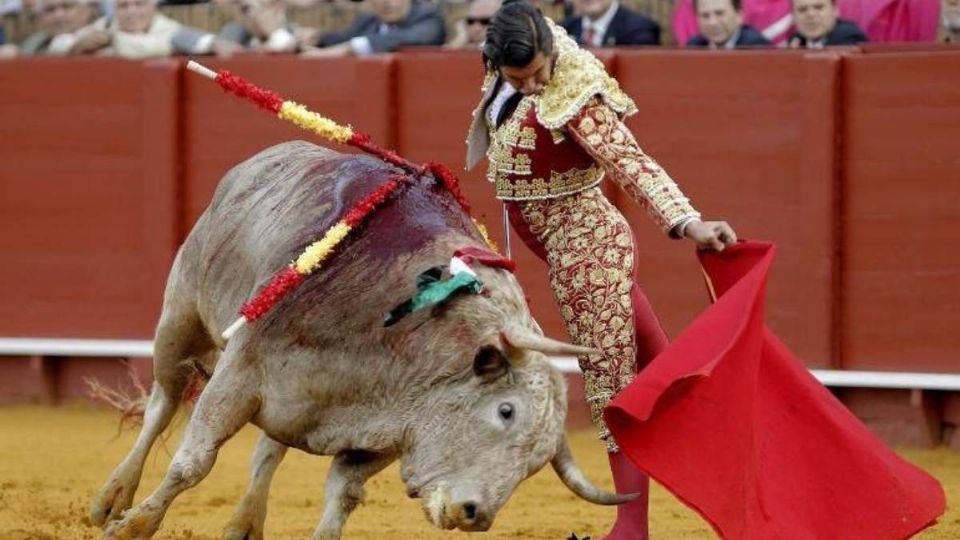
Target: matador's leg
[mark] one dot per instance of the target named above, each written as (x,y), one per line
(589,249)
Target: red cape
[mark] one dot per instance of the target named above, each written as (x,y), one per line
(737,428)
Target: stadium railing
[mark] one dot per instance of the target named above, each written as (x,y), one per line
(44,347)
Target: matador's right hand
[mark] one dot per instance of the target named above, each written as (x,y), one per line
(715,235)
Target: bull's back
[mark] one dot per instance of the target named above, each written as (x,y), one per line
(270,207)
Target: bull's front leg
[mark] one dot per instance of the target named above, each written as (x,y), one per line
(344,491)
(228,402)
(247,522)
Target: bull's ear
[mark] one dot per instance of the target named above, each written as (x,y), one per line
(490,362)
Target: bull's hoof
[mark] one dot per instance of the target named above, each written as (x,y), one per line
(112,500)
(133,526)
(236,531)
(247,522)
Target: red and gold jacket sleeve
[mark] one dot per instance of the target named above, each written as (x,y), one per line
(605,137)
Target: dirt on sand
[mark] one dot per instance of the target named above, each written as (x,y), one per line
(52,461)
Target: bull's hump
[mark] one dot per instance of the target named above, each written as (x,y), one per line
(412,218)
(273,205)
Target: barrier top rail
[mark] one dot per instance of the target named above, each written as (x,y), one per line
(144,349)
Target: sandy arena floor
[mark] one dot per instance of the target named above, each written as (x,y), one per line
(53,460)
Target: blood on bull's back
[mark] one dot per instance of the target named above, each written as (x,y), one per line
(268,208)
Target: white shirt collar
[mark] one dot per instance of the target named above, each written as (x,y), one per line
(600,25)
(505,92)
(732,42)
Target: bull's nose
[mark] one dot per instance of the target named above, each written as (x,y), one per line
(469,516)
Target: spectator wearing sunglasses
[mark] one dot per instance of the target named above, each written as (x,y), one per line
(471,31)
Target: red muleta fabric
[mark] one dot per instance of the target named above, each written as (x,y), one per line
(737,428)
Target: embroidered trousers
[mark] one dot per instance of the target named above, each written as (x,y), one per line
(589,249)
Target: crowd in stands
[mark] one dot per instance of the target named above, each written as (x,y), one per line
(138,29)
(949,29)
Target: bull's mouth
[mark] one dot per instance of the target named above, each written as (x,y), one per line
(435,506)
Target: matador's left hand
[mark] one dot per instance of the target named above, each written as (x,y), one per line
(714,235)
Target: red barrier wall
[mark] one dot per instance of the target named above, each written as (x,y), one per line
(749,137)
(901,282)
(87,196)
(106,164)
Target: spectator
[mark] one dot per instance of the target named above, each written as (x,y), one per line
(391,25)
(605,23)
(818,25)
(57,24)
(12,7)
(721,26)
(950,21)
(257,25)
(136,31)
(472,30)
(7,50)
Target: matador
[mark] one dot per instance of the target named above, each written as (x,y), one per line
(552,130)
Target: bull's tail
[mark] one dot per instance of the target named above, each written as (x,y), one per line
(131,401)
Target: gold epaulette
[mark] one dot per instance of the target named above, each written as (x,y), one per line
(577,77)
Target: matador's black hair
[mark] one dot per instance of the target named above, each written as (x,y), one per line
(516,34)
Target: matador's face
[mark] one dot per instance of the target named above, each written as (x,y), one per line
(530,79)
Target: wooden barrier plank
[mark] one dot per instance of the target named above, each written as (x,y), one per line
(86,234)
(748,135)
(901,204)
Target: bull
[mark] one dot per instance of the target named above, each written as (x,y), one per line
(462,394)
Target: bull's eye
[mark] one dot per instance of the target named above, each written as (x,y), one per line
(505,411)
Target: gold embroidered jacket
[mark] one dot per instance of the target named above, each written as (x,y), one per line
(567,138)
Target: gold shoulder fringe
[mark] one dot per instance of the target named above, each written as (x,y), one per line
(577,77)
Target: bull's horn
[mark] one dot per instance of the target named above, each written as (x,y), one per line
(573,478)
(522,338)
